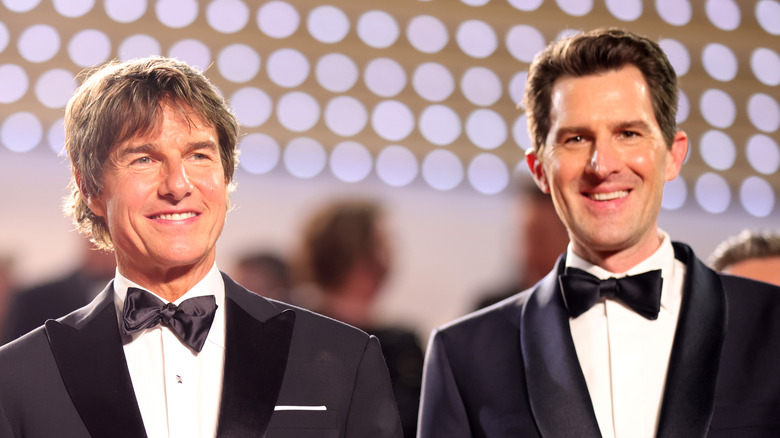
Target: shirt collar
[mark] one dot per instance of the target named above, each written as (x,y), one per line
(211,284)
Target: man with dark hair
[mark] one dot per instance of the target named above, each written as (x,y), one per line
(172,346)
(630,335)
(751,254)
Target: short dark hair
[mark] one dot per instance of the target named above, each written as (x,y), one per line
(745,246)
(595,52)
(121,100)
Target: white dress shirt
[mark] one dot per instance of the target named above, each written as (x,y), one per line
(178,390)
(625,356)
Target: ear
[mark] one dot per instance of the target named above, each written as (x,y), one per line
(94,202)
(537,170)
(676,155)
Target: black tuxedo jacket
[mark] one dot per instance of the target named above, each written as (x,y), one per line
(511,370)
(69,378)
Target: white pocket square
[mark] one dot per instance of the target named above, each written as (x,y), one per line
(299,408)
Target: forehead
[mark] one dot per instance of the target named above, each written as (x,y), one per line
(611,91)
(170,121)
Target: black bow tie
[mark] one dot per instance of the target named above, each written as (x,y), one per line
(641,292)
(190,321)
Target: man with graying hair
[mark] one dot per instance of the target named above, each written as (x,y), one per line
(172,346)
(630,334)
(751,254)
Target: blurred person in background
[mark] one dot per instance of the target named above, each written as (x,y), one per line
(344,262)
(7,286)
(31,307)
(264,273)
(751,254)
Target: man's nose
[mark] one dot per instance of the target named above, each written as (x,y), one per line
(604,159)
(176,183)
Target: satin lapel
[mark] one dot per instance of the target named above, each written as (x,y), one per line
(689,396)
(557,390)
(258,336)
(88,350)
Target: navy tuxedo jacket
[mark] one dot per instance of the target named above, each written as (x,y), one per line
(69,378)
(511,370)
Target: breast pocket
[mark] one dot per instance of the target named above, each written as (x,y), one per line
(303,424)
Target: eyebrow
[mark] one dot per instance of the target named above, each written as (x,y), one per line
(146,148)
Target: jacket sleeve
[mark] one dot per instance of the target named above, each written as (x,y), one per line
(373,411)
(442,413)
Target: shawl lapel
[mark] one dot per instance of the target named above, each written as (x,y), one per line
(689,395)
(87,348)
(257,341)
(557,391)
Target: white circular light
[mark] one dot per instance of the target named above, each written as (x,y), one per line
(21,132)
(73,8)
(298,111)
(524,42)
(336,72)
(350,162)
(712,193)
(278,19)
(718,150)
(252,106)
(678,55)
(392,120)
(520,132)
(764,112)
(238,63)
(576,8)
(433,82)
(675,194)
(757,196)
(345,116)
(683,107)
(486,129)
(626,10)
(56,137)
(488,174)
(384,77)
(21,5)
(138,46)
(442,170)
(517,87)
(481,86)
(717,108)
(719,62)
(765,64)
(55,87)
(304,157)
(768,16)
(193,52)
(440,125)
(38,43)
(327,24)
(287,68)
(526,5)
(259,153)
(396,166)
(227,16)
(674,12)
(176,13)
(724,14)
(427,34)
(15,83)
(476,38)
(378,29)
(4,37)
(89,47)
(763,154)
(124,11)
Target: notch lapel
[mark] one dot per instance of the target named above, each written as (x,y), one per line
(557,391)
(257,342)
(88,350)
(689,395)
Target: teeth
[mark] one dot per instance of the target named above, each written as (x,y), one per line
(175,216)
(608,196)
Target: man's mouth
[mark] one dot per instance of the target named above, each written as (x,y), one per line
(608,196)
(175,216)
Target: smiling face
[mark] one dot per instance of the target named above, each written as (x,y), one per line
(605,163)
(165,199)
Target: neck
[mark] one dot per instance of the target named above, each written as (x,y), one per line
(619,261)
(170,284)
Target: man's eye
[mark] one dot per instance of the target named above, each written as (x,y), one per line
(575,139)
(142,160)
(630,134)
